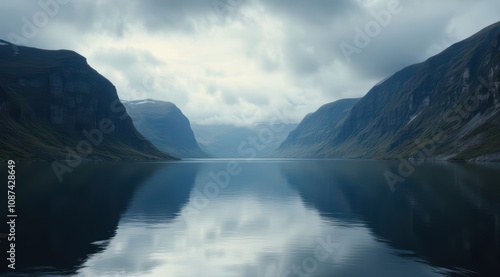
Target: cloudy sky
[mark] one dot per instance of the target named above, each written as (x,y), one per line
(242,61)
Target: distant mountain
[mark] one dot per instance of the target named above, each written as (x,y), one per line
(165,126)
(226,141)
(312,134)
(53,105)
(444,108)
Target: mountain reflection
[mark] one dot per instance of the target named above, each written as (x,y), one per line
(445,214)
(60,224)
(271,220)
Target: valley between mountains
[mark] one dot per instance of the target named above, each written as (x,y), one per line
(54,105)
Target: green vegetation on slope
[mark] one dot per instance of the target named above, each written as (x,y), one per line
(49,99)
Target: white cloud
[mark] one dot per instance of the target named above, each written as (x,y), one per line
(261,57)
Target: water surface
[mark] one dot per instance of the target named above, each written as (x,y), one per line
(261,218)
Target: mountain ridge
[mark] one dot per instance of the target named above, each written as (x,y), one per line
(164,124)
(54,106)
(315,128)
(420,111)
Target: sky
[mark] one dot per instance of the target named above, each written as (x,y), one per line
(240,62)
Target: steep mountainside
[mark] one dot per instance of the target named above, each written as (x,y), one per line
(53,105)
(165,126)
(313,132)
(444,108)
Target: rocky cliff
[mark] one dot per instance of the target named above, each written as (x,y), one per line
(53,105)
(444,108)
(165,126)
(313,133)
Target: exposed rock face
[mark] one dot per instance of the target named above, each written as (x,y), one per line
(314,131)
(49,99)
(444,108)
(165,126)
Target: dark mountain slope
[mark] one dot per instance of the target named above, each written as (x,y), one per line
(165,126)
(49,100)
(313,132)
(444,108)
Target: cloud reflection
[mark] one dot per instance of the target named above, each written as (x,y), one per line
(244,232)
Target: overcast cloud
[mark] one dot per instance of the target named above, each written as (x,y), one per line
(241,61)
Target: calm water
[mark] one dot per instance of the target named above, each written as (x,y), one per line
(269,218)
